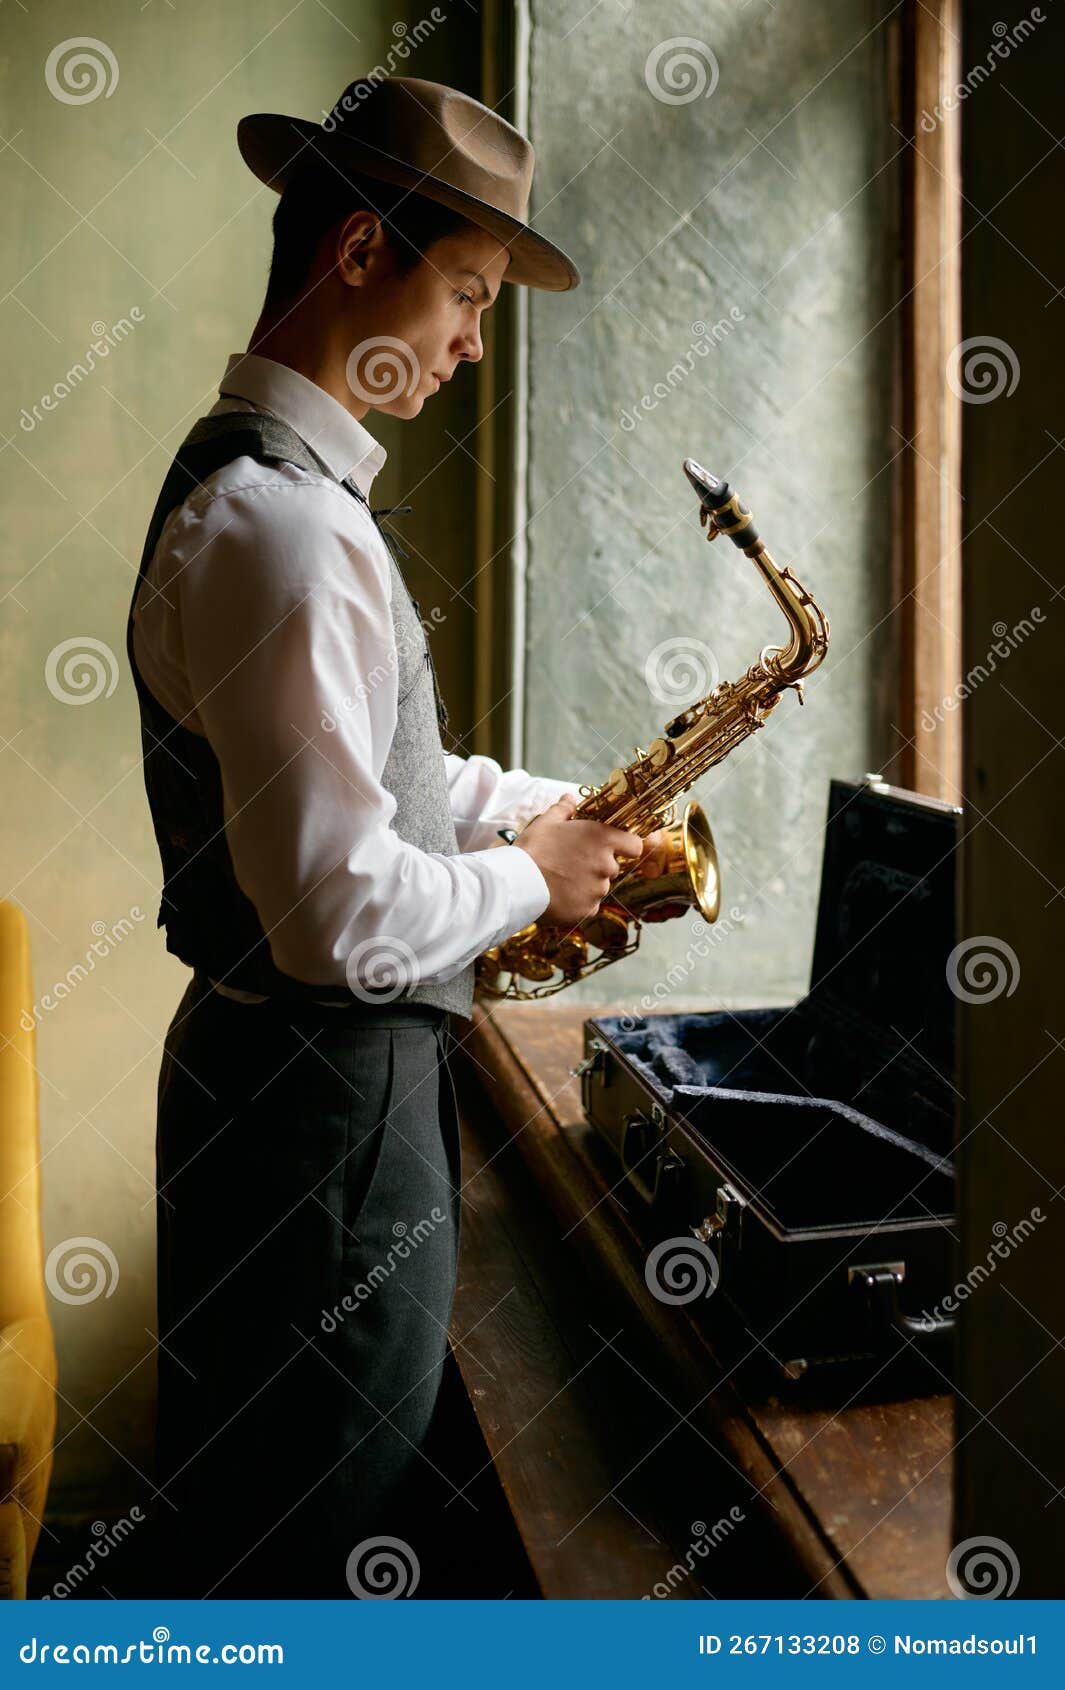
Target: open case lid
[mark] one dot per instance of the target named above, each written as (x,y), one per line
(885,920)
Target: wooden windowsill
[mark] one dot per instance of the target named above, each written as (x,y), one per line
(856,1496)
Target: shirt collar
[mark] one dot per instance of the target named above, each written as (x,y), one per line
(340,439)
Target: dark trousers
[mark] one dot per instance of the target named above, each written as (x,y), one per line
(308,1222)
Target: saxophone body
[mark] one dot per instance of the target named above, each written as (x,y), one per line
(541,959)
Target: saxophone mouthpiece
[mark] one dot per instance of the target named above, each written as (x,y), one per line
(728,512)
(708,487)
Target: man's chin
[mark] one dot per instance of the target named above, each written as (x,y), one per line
(406,406)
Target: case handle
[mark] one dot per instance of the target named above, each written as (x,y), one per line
(879,1285)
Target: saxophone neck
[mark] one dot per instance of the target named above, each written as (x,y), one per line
(806,621)
(723,512)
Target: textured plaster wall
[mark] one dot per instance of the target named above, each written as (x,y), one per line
(767,207)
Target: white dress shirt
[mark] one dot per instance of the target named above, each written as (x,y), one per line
(265,614)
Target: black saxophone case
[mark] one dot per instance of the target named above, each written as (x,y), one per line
(795,1164)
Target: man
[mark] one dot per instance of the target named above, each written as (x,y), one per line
(330,872)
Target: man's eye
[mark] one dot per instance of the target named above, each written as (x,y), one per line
(468,297)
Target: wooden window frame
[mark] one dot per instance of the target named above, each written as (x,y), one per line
(930,500)
(502,393)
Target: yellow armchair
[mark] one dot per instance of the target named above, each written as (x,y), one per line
(27,1347)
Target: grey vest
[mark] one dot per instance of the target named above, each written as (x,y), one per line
(209,921)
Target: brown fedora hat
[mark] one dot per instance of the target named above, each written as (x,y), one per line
(429,138)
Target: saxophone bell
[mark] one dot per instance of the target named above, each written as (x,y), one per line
(690,879)
(550,958)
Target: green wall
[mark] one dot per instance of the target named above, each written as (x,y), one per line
(133,205)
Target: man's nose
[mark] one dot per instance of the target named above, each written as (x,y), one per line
(471,347)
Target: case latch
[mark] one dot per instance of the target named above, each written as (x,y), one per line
(592,1063)
(726,1224)
(643,1140)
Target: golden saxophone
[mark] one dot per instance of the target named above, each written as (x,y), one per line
(541,958)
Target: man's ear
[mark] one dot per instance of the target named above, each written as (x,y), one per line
(360,242)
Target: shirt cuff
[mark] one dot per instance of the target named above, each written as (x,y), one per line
(540,796)
(526,890)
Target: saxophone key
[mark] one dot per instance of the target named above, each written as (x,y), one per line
(608,931)
(571,955)
(533,967)
(659,753)
(618,784)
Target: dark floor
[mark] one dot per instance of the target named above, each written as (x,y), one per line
(477,1550)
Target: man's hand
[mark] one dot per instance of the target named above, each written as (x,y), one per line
(655,851)
(577,858)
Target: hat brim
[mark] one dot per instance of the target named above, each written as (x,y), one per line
(272,146)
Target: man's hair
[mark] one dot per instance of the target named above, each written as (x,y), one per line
(316,199)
